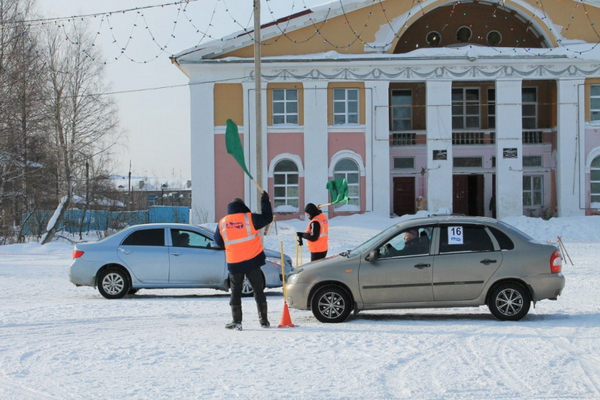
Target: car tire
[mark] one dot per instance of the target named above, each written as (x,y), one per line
(509,302)
(331,304)
(113,283)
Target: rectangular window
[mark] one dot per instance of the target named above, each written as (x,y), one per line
(465,108)
(467,162)
(595,103)
(532,190)
(532,161)
(529,107)
(345,106)
(404,162)
(285,106)
(401,111)
(491,108)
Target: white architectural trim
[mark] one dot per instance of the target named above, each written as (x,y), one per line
(591,156)
(286,156)
(340,155)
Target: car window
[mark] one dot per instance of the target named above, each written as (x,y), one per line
(464,238)
(502,238)
(146,237)
(185,238)
(413,241)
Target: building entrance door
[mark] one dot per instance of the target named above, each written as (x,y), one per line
(404,195)
(468,195)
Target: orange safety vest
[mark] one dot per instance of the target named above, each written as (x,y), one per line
(319,245)
(242,241)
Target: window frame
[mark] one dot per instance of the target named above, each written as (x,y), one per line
(529,103)
(408,106)
(532,191)
(346,101)
(286,185)
(594,182)
(594,112)
(286,115)
(465,105)
(353,187)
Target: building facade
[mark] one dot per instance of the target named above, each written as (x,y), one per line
(474,107)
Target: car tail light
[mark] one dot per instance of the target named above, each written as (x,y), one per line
(556,262)
(77,253)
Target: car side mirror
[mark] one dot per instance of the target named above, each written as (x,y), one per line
(373,255)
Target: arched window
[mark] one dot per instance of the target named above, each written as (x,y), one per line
(285,186)
(348,169)
(595,181)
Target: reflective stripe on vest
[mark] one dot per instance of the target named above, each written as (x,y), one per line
(242,241)
(319,245)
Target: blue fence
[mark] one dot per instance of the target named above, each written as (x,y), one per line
(35,224)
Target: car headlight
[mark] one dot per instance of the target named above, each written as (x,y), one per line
(275,260)
(292,278)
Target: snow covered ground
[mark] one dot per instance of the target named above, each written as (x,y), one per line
(62,342)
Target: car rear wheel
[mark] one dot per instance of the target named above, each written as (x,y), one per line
(113,283)
(509,302)
(331,304)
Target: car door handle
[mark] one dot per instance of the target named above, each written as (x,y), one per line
(122,250)
(176,254)
(421,266)
(487,261)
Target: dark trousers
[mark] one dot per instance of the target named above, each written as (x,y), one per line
(318,256)
(256,280)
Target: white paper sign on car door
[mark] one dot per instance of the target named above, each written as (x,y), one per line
(455,235)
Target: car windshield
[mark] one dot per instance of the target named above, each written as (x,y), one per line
(372,241)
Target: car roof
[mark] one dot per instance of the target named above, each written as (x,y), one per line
(449,218)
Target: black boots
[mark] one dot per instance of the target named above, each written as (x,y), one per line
(236,313)
(236,323)
(262,314)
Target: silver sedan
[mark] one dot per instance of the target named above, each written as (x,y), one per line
(442,261)
(160,256)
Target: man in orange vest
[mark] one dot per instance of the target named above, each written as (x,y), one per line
(317,232)
(239,233)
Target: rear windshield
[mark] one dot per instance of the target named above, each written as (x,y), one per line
(516,231)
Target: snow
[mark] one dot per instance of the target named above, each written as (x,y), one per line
(63,342)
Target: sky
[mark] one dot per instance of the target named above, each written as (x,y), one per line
(157,121)
(64,342)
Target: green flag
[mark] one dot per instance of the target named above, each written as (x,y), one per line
(338,190)
(234,145)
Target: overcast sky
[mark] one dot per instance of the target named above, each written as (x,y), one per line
(157,120)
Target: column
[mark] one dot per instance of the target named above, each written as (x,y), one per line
(439,145)
(250,150)
(569,167)
(202,147)
(377,135)
(315,157)
(509,148)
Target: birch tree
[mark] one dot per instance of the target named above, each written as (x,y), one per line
(82,119)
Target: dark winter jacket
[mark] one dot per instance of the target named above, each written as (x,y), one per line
(315,227)
(259,221)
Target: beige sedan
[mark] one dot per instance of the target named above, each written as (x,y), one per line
(440,261)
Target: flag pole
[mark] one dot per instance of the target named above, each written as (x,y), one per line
(258,98)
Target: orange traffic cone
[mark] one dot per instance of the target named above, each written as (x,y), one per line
(286,321)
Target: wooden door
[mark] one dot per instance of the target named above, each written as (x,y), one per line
(404,195)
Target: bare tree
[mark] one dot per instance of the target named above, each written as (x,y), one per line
(82,118)
(20,111)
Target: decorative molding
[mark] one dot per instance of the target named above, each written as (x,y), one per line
(524,71)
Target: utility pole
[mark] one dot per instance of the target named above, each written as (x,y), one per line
(258,98)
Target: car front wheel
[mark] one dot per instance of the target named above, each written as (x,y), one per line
(509,302)
(113,283)
(331,304)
